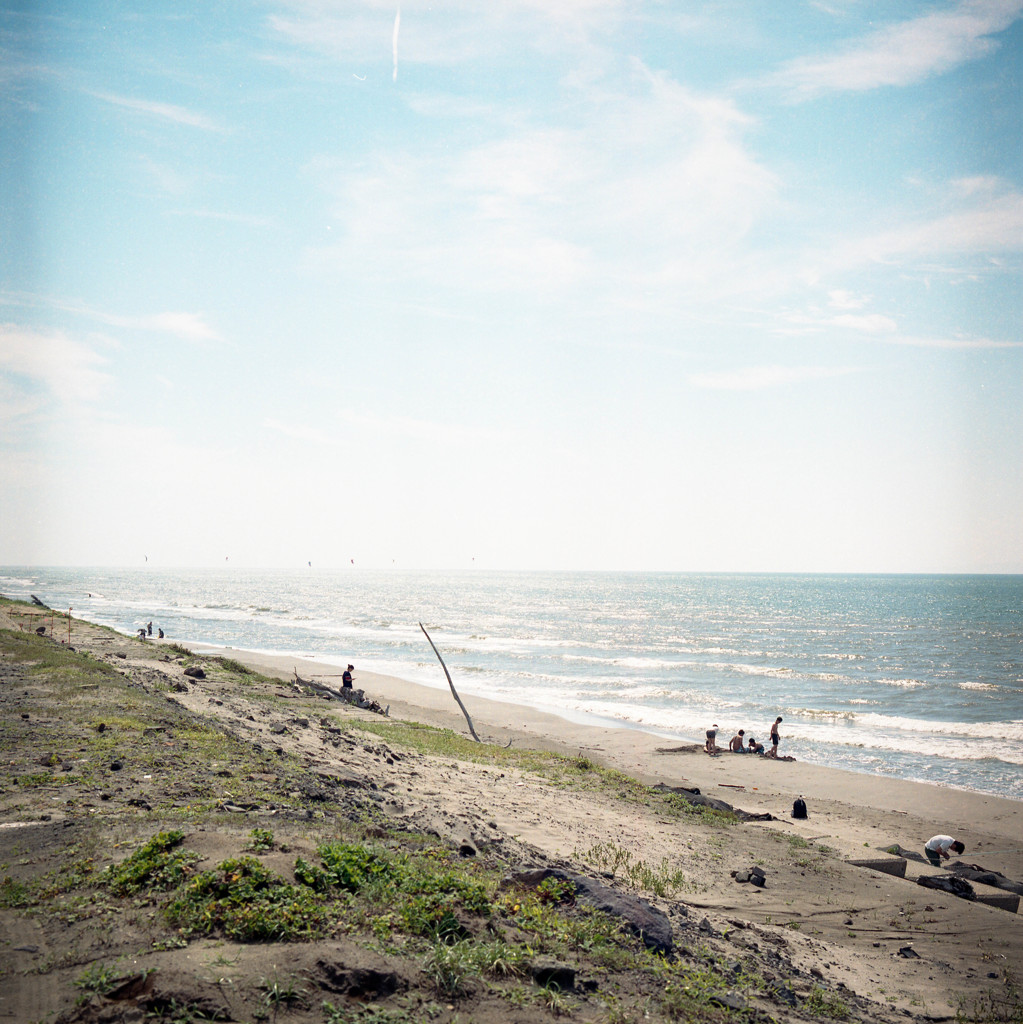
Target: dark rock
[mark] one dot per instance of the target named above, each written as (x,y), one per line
(694,796)
(466,849)
(195,672)
(120,654)
(975,873)
(116,766)
(278,730)
(950,884)
(180,687)
(639,917)
(783,994)
(908,953)
(729,1000)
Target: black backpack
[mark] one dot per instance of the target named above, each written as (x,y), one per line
(799,808)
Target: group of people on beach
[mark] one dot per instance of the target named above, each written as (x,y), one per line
(740,744)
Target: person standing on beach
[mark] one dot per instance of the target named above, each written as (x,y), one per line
(346,678)
(775,738)
(937,848)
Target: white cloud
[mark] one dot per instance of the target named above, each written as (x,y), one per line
(301,432)
(954,342)
(757,378)
(906,52)
(994,225)
(69,370)
(162,111)
(871,323)
(839,298)
(987,224)
(650,188)
(186,326)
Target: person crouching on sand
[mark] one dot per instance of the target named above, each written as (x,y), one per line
(937,848)
(735,743)
(711,745)
(754,747)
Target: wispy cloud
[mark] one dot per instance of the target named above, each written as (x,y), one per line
(993,225)
(186,326)
(302,432)
(904,53)
(876,327)
(68,369)
(759,378)
(667,208)
(394,427)
(982,220)
(953,342)
(161,111)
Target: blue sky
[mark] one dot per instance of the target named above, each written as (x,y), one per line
(703,286)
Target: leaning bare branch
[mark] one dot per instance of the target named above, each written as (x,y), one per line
(454,692)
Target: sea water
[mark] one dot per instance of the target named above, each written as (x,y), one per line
(914,677)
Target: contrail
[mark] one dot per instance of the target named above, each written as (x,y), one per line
(394,44)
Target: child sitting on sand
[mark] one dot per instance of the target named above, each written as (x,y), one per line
(754,747)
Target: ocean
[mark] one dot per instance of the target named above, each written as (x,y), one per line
(913,677)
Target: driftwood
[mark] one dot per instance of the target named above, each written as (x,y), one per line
(454,692)
(357,698)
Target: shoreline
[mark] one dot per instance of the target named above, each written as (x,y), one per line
(858,814)
(829,921)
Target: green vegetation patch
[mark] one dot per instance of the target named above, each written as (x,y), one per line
(158,864)
(42,655)
(413,895)
(245,901)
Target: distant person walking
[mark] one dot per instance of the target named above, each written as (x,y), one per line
(937,848)
(775,738)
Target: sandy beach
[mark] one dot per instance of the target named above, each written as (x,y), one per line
(846,809)
(884,946)
(866,914)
